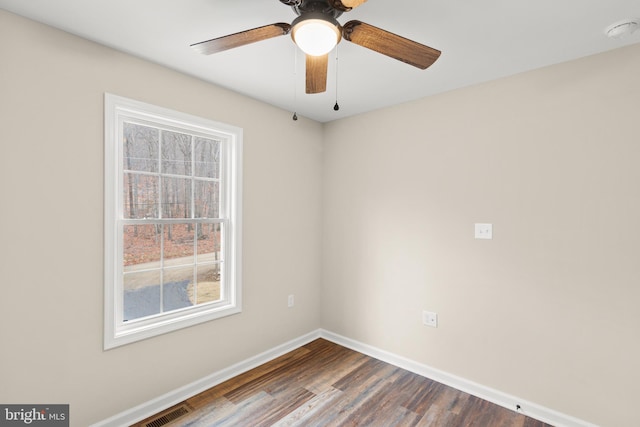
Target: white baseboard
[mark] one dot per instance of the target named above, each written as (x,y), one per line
(174,397)
(505,400)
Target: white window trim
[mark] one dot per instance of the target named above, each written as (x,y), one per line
(116,333)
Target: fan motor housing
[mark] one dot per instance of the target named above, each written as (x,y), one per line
(315,6)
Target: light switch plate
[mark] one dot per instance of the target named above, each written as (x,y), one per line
(484,231)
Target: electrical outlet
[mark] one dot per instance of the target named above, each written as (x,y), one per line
(290,301)
(430,318)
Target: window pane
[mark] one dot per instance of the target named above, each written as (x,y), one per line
(208,244)
(176,197)
(207,203)
(141,294)
(140,196)
(176,153)
(174,288)
(140,148)
(178,244)
(207,158)
(141,246)
(208,286)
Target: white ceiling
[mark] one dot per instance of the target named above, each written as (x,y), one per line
(479,40)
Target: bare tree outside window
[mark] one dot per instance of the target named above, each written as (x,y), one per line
(169,265)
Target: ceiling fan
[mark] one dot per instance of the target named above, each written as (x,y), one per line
(316,31)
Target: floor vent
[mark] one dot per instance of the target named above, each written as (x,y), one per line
(167,417)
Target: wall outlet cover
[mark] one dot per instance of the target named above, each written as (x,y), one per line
(430,318)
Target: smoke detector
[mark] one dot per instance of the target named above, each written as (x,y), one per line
(622,29)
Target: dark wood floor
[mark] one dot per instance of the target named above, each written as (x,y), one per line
(324,384)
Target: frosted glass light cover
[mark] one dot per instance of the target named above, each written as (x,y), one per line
(316,37)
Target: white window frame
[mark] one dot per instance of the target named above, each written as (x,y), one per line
(116,331)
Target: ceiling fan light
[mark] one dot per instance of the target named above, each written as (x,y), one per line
(315,37)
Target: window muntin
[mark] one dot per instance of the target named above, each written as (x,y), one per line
(172,222)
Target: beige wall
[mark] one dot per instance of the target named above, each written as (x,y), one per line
(549,309)
(51,182)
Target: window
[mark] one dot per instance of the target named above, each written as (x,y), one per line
(172,220)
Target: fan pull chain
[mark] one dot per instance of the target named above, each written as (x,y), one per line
(336,107)
(295,81)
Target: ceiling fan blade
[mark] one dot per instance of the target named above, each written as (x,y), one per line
(316,67)
(242,38)
(345,5)
(392,45)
